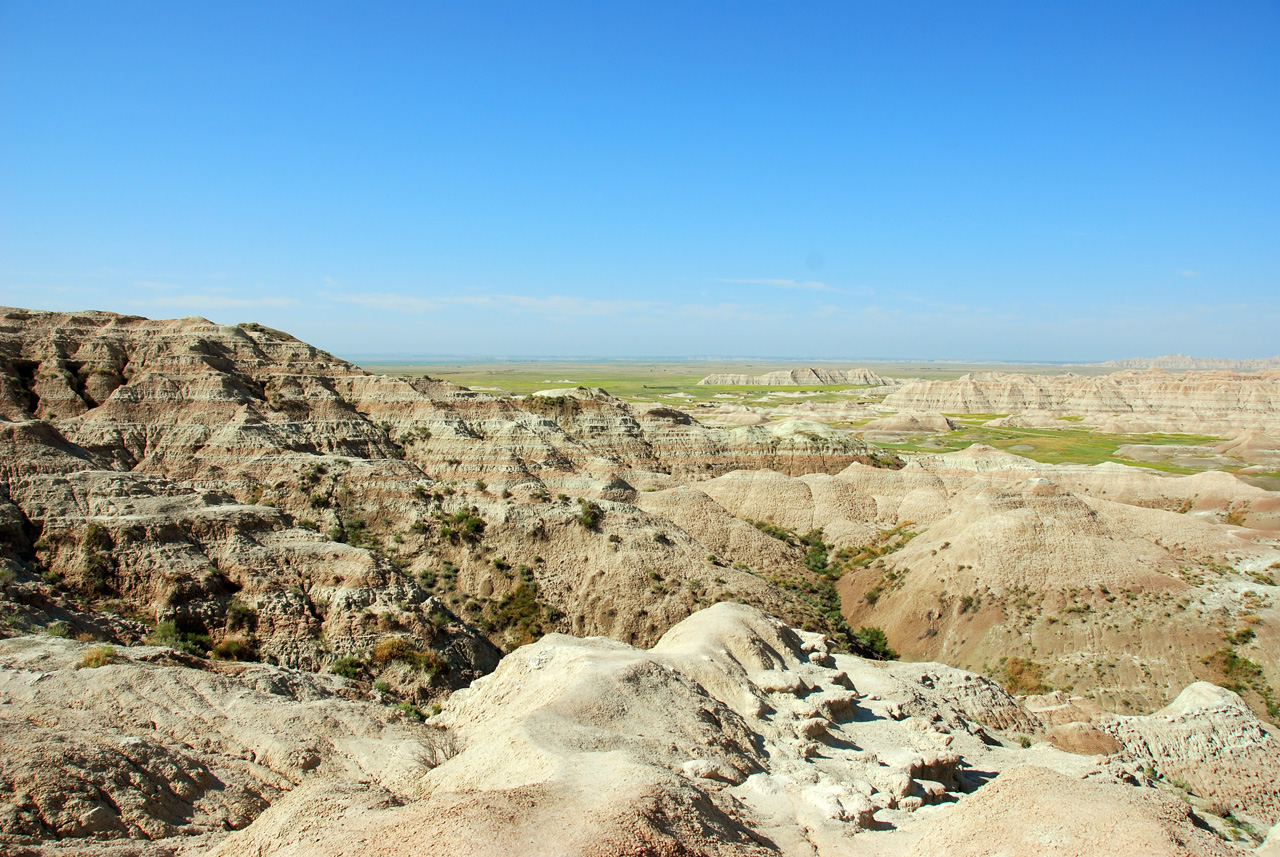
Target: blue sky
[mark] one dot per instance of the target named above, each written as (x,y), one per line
(822,180)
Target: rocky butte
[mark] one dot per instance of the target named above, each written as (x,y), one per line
(256,600)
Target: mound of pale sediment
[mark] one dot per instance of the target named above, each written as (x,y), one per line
(1221,403)
(148,749)
(732,733)
(737,415)
(823,412)
(1062,581)
(1255,447)
(1213,494)
(798,504)
(1036,811)
(1208,739)
(801,378)
(713,526)
(820,412)
(909,424)
(725,737)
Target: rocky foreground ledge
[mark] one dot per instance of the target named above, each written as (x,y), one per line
(735,734)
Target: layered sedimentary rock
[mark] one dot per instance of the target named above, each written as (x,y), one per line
(733,735)
(978,556)
(802,378)
(1222,403)
(191,399)
(227,494)
(1181,363)
(232,486)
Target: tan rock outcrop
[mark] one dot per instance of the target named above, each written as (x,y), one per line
(1181,363)
(802,378)
(1221,403)
(254,490)
(727,737)
(979,555)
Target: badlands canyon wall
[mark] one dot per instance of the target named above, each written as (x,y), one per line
(1216,403)
(1182,362)
(803,378)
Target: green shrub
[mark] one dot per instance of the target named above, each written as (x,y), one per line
(523,615)
(875,643)
(590,514)
(399,649)
(347,667)
(97,538)
(463,525)
(410,710)
(772,530)
(94,573)
(448,574)
(191,642)
(815,558)
(241,615)
(235,649)
(98,656)
(1244,635)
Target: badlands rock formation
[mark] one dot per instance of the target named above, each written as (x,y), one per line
(233,487)
(1181,363)
(733,735)
(1218,403)
(256,600)
(802,378)
(1123,583)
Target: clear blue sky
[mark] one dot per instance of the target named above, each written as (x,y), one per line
(841,180)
